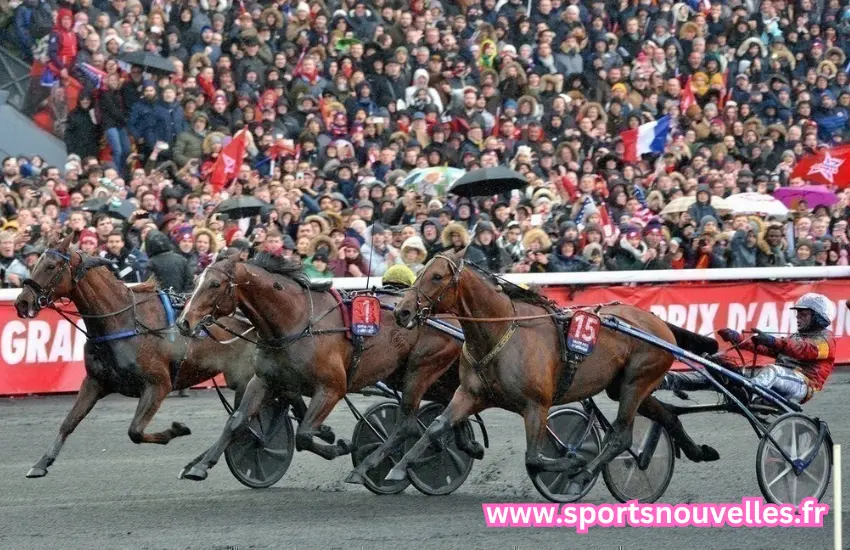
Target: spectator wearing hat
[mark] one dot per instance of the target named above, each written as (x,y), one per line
(414,253)
(350,262)
(143,124)
(485,252)
(171,270)
(189,144)
(630,253)
(89,242)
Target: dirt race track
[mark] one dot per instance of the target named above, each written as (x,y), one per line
(106,492)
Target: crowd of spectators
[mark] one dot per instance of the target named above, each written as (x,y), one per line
(342,99)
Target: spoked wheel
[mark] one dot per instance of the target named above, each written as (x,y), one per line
(570,434)
(259,456)
(798,436)
(644,472)
(371,431)
(440,472)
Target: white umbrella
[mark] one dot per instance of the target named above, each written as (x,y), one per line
(756,203)
(681,204)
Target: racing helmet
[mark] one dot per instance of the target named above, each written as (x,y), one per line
(399,275)
(820,305)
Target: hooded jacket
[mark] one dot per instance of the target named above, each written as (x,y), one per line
(171,270)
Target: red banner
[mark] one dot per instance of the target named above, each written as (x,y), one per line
(42,355)
(45,355)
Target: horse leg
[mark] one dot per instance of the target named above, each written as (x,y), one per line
(299,410)
(149,403)
(249,407)
(459,409)
(619,437)
(321,405)
(89,394)
(535,416)
(655,410)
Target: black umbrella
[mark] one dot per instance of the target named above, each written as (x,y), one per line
(116,208)
(154,63)
(241,207)
(488,181)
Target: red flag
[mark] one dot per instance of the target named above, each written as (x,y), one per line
(826,166)
(688,97)
(229,160)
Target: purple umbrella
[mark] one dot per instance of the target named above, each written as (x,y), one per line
(814,195)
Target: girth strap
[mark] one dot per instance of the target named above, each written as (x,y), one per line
(476,365)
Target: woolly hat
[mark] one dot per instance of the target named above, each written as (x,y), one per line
(88,235)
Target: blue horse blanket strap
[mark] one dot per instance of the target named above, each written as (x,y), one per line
(117,336)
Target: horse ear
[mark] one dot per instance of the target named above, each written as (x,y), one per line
(461,254)
(65,243)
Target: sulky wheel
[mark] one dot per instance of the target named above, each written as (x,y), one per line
(440,472)
(259,456)
(798,436)
(376,425)
(569,433)
(643,472)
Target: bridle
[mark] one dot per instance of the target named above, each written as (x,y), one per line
(44,294)
(428,311)
(210,319)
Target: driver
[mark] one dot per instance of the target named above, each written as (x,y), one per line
(398,277)
(804,360)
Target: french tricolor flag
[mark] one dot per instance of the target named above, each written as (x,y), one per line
(646,138)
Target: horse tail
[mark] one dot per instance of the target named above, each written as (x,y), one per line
(693,342)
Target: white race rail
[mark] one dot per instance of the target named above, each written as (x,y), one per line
(610,278)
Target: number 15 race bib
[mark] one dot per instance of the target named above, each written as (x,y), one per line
(583,332)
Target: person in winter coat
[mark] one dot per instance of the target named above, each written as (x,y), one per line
(83,132)
(143,124)
(564,258)
(414,253)
(113,116)
(128,265)
(170,119)
(421,80)
(62,46)
(379,254)
(430,231)
(13,271)
(171,270)
(454,237)
(803,256)
(630,253)
(189,144)
(771,251)
(511,241)
(744,246)
(484,252)
(350,262)
(702,207)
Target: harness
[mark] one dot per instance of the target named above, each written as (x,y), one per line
(562,317)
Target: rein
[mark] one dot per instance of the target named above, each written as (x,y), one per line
(44,300)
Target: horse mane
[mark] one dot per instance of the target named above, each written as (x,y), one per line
(515,292)
(281,266)
(145,288)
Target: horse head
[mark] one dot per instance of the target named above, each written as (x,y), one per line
(214,297)
(52,278)
(435,290)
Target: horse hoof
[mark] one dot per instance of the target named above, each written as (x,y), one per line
(476,450)
(36,471)
(709,454)
(344,446)
(196,474)
(396,474)
(326,434)
(179,429)
(355,478)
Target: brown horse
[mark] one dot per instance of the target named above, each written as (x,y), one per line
(130,350)
(516,365)
(303,349)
